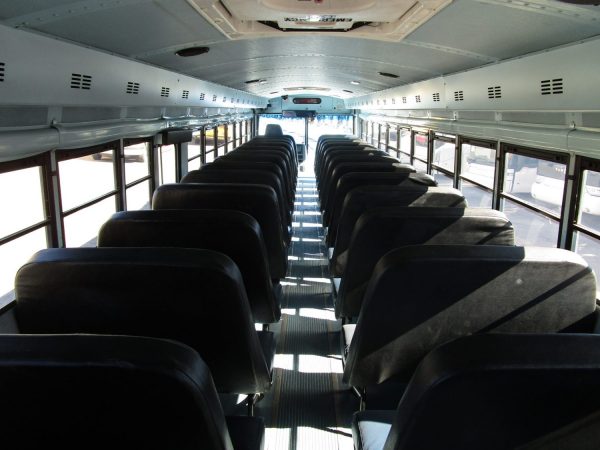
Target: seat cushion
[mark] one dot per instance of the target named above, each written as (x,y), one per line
(247,433)
(370,429)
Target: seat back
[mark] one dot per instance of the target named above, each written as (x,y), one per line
(157,292)
(232,233)
(420,297)
(229,175)
(87,391)
(412,193)
(273,129)
(498,392)
(381,230)
(258,201)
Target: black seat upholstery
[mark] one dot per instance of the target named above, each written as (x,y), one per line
(422,296)
(87,391)
(232,233)
(491,391)
(171,293)
(262,156)
(229,175)
(273,129)
(259,201)
(353,180)
(381,230)
(342,151)
(410,193)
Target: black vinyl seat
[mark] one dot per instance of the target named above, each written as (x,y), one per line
(491,391)
(342,150)
(232,233)
(420,297)
(229,175)
(98,392)
(228,163)
(257,200)
(171,293)
(413,193)
(381,230)
(263,156)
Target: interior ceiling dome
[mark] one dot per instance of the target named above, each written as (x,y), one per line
(379,19)
(309,44)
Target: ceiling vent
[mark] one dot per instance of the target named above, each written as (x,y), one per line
(393,101)
(224,100)
(2,66)
(458,96)
(387,74)
(133,88)
(185,94)
(403,99)
(80,81)
(346,90)
(202,96)
(192,51)
(418,98)
(551,87)
(436,97)
(494,92)
(165,91)
(232,100)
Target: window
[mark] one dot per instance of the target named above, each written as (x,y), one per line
(532,193)
(477,171)
(405,144)
(167,164)
(23,228)
(210,144)
(137,175)
(420,142)
(444,155)
(195,151)
(221,140)
(87,193)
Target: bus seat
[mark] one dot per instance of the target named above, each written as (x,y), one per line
(232,233)
(351,180)
(171,293)
(263,156)
(229,175)
(273,129)
(358,163)
(257,200)
(381,230)
(90,391)
(340,150)
(490,391)
(422,296)
(284,142)
(412,193)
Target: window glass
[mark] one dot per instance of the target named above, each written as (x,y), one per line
(589,204)
(404,158)
(221,138)
(589,248)
(393,140)
(138,196)
(20,188)
(531,227)
(13,255)
(136,162)
(421,146)
(420,166)
(536,181)
(86,178)
(81,228)
(478,164)
(476,196)
(194,164)
(405,141)
(230,132)
(442,179)
(166,164)
(444,154)
(194,145)
(328,124)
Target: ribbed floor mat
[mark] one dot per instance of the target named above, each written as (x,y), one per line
(309,409)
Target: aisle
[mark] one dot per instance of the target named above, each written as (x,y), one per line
(310,409)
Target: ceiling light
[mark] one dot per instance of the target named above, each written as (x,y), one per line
(192,51)
(262,81)
(355,82)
